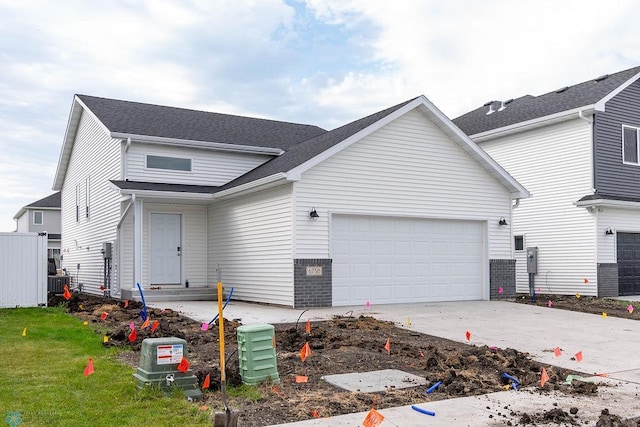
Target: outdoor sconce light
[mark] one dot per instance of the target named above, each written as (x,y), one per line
(609,231)
(502,221)
(313,214)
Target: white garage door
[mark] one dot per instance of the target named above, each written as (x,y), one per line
(397,260)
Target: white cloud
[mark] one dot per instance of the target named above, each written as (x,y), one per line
(322,62)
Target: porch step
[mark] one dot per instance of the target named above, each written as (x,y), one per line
(170,293)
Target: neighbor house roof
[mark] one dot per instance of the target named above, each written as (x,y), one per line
(528,107)
(52,201)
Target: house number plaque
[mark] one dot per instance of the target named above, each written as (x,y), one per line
(314,270)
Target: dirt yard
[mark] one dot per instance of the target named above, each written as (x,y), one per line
(611,307)
(341,345)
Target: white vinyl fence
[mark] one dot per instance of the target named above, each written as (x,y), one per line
(23,270)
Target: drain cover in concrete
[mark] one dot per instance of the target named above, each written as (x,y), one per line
(369,382)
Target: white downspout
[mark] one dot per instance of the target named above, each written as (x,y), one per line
(591,150)
(125,163)
(118,286)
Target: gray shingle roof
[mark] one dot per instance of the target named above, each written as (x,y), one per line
(52,201)
(156,186)
(170,122)
(532,107)
(300,153)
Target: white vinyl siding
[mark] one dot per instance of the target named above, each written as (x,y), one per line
(24,223)
(408,168)
(250,240)
(194,241)
(555,164)
(96,153)
(619,220)
(208,167)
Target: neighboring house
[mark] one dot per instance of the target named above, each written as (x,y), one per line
(42,216)
(399,206)
(577,149)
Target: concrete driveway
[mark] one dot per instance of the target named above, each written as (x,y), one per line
(609,346)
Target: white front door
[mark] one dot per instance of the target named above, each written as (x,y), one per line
(165,242)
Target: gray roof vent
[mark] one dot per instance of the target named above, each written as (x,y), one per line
(602,77)
(562,89)
(491,110)
(503,105)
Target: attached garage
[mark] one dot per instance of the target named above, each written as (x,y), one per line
(628,249)
(400,260)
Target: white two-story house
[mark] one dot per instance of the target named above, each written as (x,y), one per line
(577,149)
(399,206)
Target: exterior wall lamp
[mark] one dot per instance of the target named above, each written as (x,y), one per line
(502,221)
(313,214)
(608,231)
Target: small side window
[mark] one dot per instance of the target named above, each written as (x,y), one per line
(518,243)
(630,146)
(37,218)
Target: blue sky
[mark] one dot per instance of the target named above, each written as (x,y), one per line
(324,62)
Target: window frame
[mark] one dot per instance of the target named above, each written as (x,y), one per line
(77,202)
(515,242)
(160,156)
(86,196)
(637,131)
(41,218)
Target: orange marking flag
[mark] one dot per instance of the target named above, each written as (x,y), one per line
(155,325)
(302,379)
(207,381)
(468,335)
(557,352)
(126,303)
(133,335)
(183,366)
(387,346)
(315,414)
(66,294)
(305,351)
(89,369)
(579,356)
(373,419)
(544,378)
(146,323)
(104,315)
(308,327)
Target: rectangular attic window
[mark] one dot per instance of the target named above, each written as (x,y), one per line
(168,163)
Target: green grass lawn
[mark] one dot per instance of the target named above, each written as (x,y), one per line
(42,381)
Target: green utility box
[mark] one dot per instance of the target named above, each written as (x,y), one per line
(159,359)
(257,352)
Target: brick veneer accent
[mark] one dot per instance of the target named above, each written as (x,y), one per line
(502,273)
(608,280)
(312,291)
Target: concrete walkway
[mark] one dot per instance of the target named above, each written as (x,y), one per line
(608,345)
